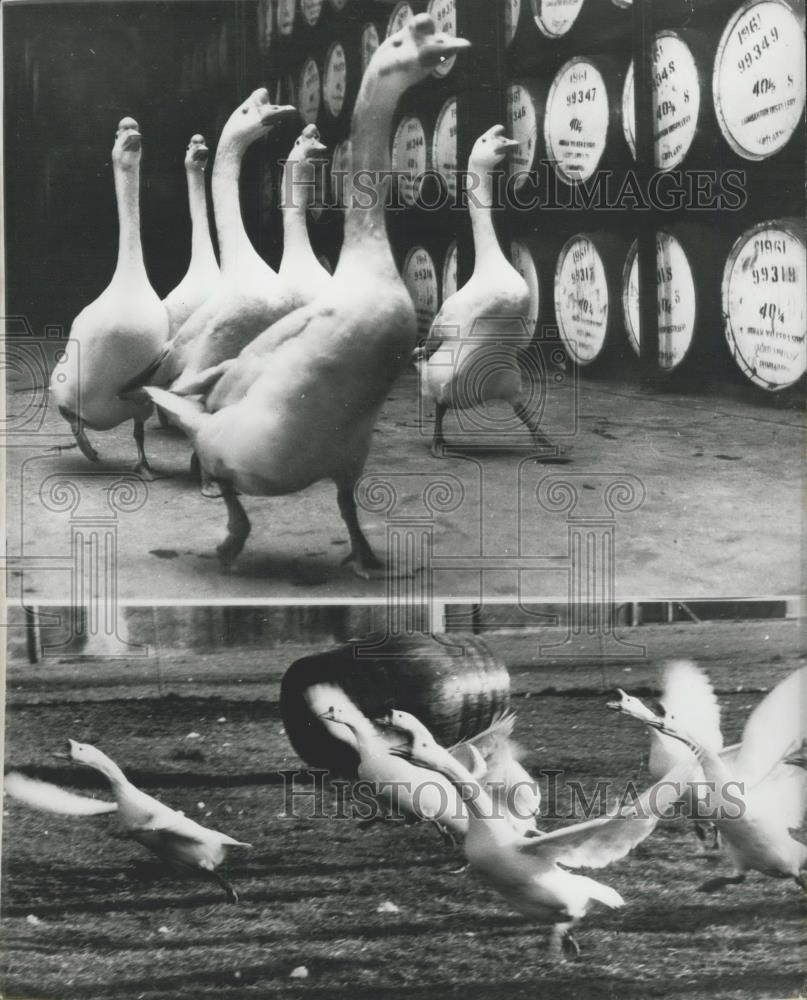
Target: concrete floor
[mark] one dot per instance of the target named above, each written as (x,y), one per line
(710,505)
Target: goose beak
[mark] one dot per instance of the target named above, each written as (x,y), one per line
(403,752)
(200,154)
(132,143)
(276,113)
(440,47)
(505,144)
(617,706)
(318,148)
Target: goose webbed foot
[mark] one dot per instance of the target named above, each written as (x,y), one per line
(562,942)
(210,488)
(232,895)
(238,528)
(546,452)
(709,836)
(438,441)
(83,443)
(716,884)
(801,881)
(364,562)
(142,468)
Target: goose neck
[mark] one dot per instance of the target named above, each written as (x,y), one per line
(110,771)
(201,244)
(297,195)
(480,206)
(368,181)
(234,244)
(127,195)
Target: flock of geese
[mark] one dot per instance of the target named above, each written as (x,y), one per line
(753,793)
(277,378)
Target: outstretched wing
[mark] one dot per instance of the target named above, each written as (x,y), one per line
(775,728)
(598,842)
(50,798)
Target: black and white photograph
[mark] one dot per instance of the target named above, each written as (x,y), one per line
(404,479)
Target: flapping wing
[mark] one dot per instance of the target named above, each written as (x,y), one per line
(45,797)
(598,842)
(775,728)
(689,700)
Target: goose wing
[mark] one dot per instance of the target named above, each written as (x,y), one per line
(689,701)
(775,728)
(50,798)
(598,842)
(781,794)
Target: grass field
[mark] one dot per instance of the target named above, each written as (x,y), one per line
(88,914)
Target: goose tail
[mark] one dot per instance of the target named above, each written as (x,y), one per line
(188,414)
(605,894)
(45,797)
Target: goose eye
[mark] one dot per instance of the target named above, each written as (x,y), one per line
(244,110)
(397,43)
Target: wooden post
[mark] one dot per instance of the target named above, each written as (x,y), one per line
(643,42)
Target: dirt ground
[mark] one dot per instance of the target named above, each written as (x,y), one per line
(721,512)
(88,914)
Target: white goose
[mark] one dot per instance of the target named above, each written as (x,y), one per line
(758,798)
(470,357)
(167,833)
(531,873)
(302,277)
(119,337)
(324,371)
(202,276)
(687,703)
(245,301)
(512,788)
(400,788)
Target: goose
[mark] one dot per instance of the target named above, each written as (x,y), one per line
(757,798)
(687,701)
(396,787)
(485,323)
(511,787)
(119,336)
(202,276)
(167,833)
(245,300)
(531,873)
(302,277)
(322,373)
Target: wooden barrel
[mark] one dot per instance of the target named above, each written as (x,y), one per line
(764,291)
(286,14)
(410,156)
(420,277)
(310,11)
(453,684)
(555,18)
(523,111)
(401,14)
(266,25)
(576,120)
(758,84)
(370,40)
(523,261)
(448,285)
(444,13)
(512,19)
(677,301)
(308,91)
(677,100)
(587,293)
(444,147)
(334,80)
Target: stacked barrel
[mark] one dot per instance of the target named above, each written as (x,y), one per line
(728,104)
(728,191)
